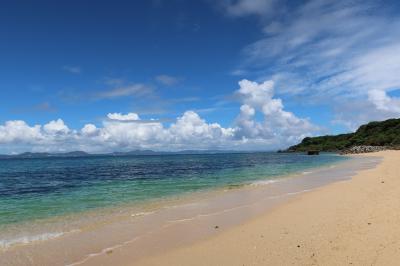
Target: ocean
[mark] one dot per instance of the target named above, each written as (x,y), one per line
(43,190)
(33,189)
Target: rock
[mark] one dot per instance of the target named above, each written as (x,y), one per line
(364,149)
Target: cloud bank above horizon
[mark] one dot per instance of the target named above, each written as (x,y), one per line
(124,132)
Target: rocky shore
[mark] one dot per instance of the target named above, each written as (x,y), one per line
(365,149)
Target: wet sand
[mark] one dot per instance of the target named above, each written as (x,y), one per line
(353,222)
(246,225)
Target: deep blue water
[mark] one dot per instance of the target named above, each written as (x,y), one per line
(33,189)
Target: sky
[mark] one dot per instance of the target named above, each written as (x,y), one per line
(202,74)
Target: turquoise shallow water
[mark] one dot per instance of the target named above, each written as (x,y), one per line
(34,189)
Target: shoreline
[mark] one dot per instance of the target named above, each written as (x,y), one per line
(197,219)
(229,177)
(9,239)
(353,222)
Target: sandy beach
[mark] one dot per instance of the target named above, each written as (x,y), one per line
(353,222)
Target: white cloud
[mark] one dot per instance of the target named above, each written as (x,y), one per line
(168,80)
(191,129)
(73,69)
(383,102)
(124,91)
(247,7)
(89,130)
(122,117)
(18,131)
(327,52)
(278,126)
(56,127)
(353,112)
(124,132)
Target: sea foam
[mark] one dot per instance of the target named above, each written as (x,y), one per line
(24,240)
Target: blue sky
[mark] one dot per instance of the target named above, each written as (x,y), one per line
(133,43)
(168,72)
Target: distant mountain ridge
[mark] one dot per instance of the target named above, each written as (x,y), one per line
(27,155)
(383,133)
(45,155)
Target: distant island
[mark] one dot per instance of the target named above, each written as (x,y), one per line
(27,155)
(369,137)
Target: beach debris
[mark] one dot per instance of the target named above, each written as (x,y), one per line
(216,227)
(369,223)
(108,252)
(382,182)
(298,246)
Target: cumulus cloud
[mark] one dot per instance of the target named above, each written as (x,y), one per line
(56,127)
(53,136)
(278,125)
(122,117)
(383,102)
(89,130)
(328,52)
(124,132)
(193,130)
(118,132)
(17,131)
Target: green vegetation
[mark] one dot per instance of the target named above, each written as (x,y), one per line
(384,133)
